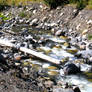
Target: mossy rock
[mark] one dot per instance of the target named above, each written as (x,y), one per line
(53,73)
(72,51)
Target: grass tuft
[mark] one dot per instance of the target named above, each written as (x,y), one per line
(22,14)
(89,36)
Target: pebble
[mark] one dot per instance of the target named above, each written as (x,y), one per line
(33,22)
(59,33)
(85,32)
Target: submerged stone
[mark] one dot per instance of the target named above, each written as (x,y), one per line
(76,89)
(71,69)
(51,67)
(53,73)
(72,51)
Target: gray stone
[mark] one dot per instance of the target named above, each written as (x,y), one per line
(59,33)
(33,22)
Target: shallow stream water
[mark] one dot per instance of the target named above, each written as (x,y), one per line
(57,47)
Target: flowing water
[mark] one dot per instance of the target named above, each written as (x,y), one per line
(58,47)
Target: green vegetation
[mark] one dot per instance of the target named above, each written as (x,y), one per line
(55,3)
(90,4)
(51,3)
(13,2)
(89,36)
(3,17)
(22,14)
(79,3)
(3,2)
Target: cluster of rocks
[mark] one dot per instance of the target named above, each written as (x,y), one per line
(12,66)
(62,21)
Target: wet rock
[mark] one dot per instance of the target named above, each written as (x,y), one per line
(3,64)
(82,47)
(72,51)
(53,73)
(62,90)
(90,46)
(2,59)
(26,70)
(17,57)
(53,30)
(90,59)
(1,33)
(64,60)
(71,69)
(76,89)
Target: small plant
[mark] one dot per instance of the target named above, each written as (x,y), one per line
(3,2)
(80,3)
(90,4)
(89,36)
(3,17)
(13,2)
(22,14)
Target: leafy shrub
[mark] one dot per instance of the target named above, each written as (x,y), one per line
(22,14)
(80,3)
(89,36)
(55,3)
(3,2)
(3,17)
(13,2)
(90,4)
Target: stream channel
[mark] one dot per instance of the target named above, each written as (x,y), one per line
(59,48)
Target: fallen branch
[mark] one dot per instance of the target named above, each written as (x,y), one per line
(29,51)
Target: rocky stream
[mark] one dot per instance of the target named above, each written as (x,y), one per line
(61,33)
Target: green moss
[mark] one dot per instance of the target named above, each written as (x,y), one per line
(22,14)
(89,36)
